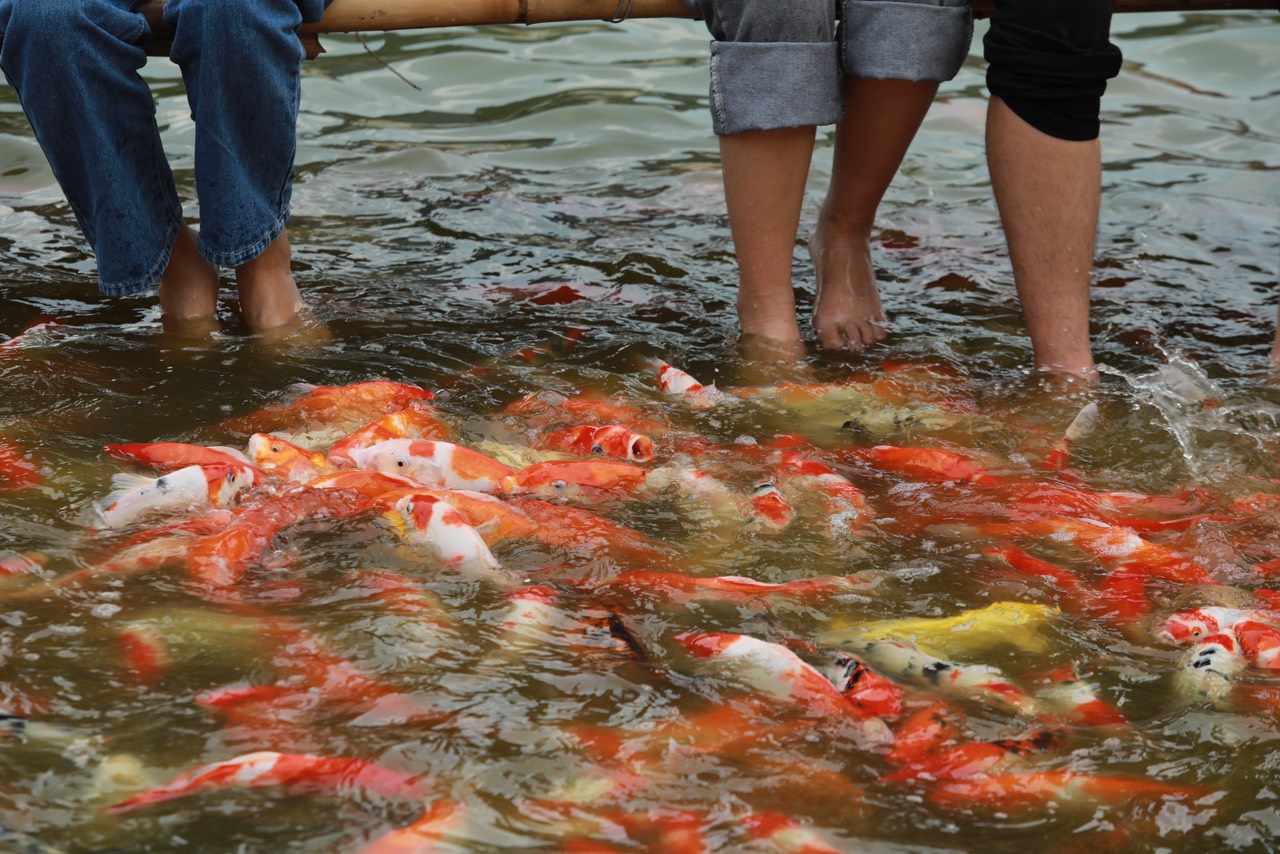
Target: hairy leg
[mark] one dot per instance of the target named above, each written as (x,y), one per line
(189,285)
(881,118)
(764,181)
(1048,191)
(269,297)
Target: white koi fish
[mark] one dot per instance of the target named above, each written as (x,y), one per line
(136,497)
(438,465)
(1209,670)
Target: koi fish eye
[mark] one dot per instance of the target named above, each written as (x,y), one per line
(231,477)
(408,508)
(559,484)
(763,488)
(275,449)
(596,449)
(401,463)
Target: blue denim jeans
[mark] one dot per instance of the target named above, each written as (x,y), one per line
(75,67)
(778,63)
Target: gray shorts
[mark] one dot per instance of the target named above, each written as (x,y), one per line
(777,63)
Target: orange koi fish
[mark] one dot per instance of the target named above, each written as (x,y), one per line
(136,497)
(974,759)
(612,441)
(875,695)
(170,456)
(550,408)
(926,731)
(425,835)
(325,405)
(297,773)
(429,521)
(221,559)
(415,421)
(371,484)
(284,459)
(1260,643)
(436,465)
(678,588)
(555,478)
(773,671)
(17,471)
(769,505)
(583,532)
(938,464)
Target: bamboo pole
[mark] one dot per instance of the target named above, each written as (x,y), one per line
(353,16)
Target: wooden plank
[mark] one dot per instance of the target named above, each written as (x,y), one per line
(354,16)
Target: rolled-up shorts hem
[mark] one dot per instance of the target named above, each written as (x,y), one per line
(772,85)
(911,41)
(236,257)
(149,279)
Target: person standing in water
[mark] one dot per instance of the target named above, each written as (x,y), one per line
(775,74)
(75,67)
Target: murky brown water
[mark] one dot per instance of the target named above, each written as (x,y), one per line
(429,227)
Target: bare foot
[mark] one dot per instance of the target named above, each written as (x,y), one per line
(770,317)
(188,286)
(269,298)
(847,313)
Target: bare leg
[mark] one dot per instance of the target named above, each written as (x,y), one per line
(188,288)
(1275,348)
(1048,191)
(881,119)
(269,298)
(764,182)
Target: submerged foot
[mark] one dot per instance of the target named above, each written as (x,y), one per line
(847,314)
(270,303)
(188,289)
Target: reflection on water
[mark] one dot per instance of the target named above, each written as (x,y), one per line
(550,179)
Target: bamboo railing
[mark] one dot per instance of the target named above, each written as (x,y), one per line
(353,16)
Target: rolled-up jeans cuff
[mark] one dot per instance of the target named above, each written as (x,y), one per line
(771,85)
(911,40)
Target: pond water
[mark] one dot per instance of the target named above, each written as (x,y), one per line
(559,185)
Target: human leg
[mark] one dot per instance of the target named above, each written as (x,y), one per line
(74,65)
(894,55)
(774,78)
(246,127)
(1049,63)
(1275,348)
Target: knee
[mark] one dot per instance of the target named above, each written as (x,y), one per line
(768,20)
(232,16)
(1050,60)
(51,25)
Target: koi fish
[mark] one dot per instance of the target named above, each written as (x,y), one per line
(427,520)
(869,691)
(1066,695)
(975,759)
(371,484)
(169,456)
(1033,790)
(672,380)
(1197,623)
(437,465)
(1085,422)
(785,835)
(296,773)
(971,681)
(326,405)
(1209,670)
(441,819)
(136,497)
(415,421)
(678,588)
(560,477)
(21,563)
(770,506)
(980,629)
(1260,643)
(583,532)
(282,458)
(936,464)
(550,408)
(842,504)
(612,441)
(773,671)
(17,471)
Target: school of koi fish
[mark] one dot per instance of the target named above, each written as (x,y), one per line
(356,566)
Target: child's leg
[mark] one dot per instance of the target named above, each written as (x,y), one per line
(764,180)
(881,119)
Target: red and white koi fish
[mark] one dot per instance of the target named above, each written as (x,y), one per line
(768,505)
(1085,422)
(1067,696)
(296,773)
(678,588)
(612,441)
(436,465)
(170,456)
(283,459)
(842,504)
(427,520)
(441,819)
(1260,643)
(875,695)
(974,759)
(947,678)
(930,730)
(136,497)
(415,421)
(1210,669)
(21,563)
(672,380)
(786,835)
(17,469)
(773,671)
(327,405)
(1196,623)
